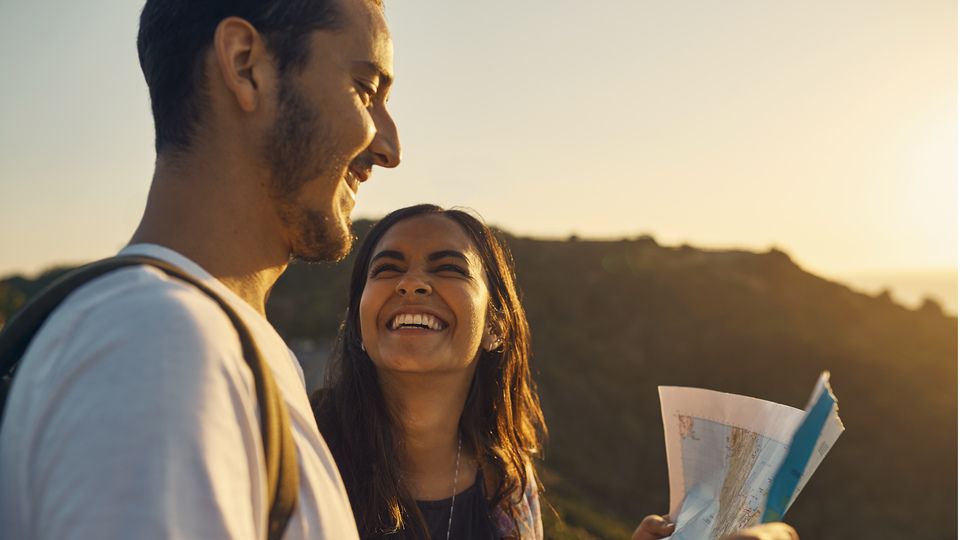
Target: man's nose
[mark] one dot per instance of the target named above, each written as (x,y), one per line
(386,143)
(413,284)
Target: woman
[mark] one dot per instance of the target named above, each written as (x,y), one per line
(430,410)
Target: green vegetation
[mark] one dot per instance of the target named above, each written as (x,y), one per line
(612,320)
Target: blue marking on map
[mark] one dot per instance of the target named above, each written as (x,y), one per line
(785,482)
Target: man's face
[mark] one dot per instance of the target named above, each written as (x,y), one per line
(331,128)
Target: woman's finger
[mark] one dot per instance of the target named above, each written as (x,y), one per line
(653,527)
(767,531)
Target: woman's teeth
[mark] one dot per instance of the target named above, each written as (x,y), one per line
(418,320)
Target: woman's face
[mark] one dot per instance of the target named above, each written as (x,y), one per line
(424,305)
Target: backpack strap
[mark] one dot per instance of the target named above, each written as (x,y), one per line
(283,475)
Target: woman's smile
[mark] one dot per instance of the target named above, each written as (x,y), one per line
(414,320)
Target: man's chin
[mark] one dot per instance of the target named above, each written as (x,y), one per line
(319,240)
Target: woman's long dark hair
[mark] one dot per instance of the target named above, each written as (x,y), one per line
(501,422)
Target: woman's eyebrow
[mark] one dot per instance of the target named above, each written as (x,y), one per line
(388,254)
(436,255)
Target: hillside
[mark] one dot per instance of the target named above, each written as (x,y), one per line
(613,319)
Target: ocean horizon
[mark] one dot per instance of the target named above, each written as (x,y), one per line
(908,287)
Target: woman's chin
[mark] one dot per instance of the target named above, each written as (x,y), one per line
(418,364)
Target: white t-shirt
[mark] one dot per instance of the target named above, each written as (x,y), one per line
(134,415)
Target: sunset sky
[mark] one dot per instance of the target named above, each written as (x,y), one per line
(828,129)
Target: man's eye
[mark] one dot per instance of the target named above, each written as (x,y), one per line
(383,268)
(367,92)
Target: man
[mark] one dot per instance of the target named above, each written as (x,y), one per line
(134,414)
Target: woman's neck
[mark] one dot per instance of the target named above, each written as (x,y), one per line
(429,409)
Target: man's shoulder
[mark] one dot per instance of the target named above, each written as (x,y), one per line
(139,327)
(139,304)
(134,372)
(142,293)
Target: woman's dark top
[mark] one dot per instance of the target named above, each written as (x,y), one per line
(471,517)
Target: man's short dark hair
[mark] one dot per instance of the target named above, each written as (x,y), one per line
(174,35)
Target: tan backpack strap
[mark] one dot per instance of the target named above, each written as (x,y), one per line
(283,474)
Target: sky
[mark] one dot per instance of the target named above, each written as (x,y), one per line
(827,129)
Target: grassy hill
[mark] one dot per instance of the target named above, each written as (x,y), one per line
(612,320)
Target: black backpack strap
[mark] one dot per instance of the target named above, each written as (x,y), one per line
(283,474)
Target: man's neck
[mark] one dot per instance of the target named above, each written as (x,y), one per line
(215,216)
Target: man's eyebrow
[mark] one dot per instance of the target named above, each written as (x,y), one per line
(437,255)
(385,78)
(388,254)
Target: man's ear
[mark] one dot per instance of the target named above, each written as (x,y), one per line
(243,61)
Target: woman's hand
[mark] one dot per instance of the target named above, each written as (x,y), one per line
(767,531)
(655,527)
(652,528)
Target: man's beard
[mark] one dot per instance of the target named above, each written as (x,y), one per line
(297,150)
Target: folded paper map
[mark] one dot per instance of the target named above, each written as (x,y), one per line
(737,461)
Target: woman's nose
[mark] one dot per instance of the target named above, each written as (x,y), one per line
(413,284)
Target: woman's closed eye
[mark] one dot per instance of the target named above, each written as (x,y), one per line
(452,268)
(379,270)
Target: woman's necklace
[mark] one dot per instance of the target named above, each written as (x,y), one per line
(456,473)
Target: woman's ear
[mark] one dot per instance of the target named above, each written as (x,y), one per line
(492,339)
